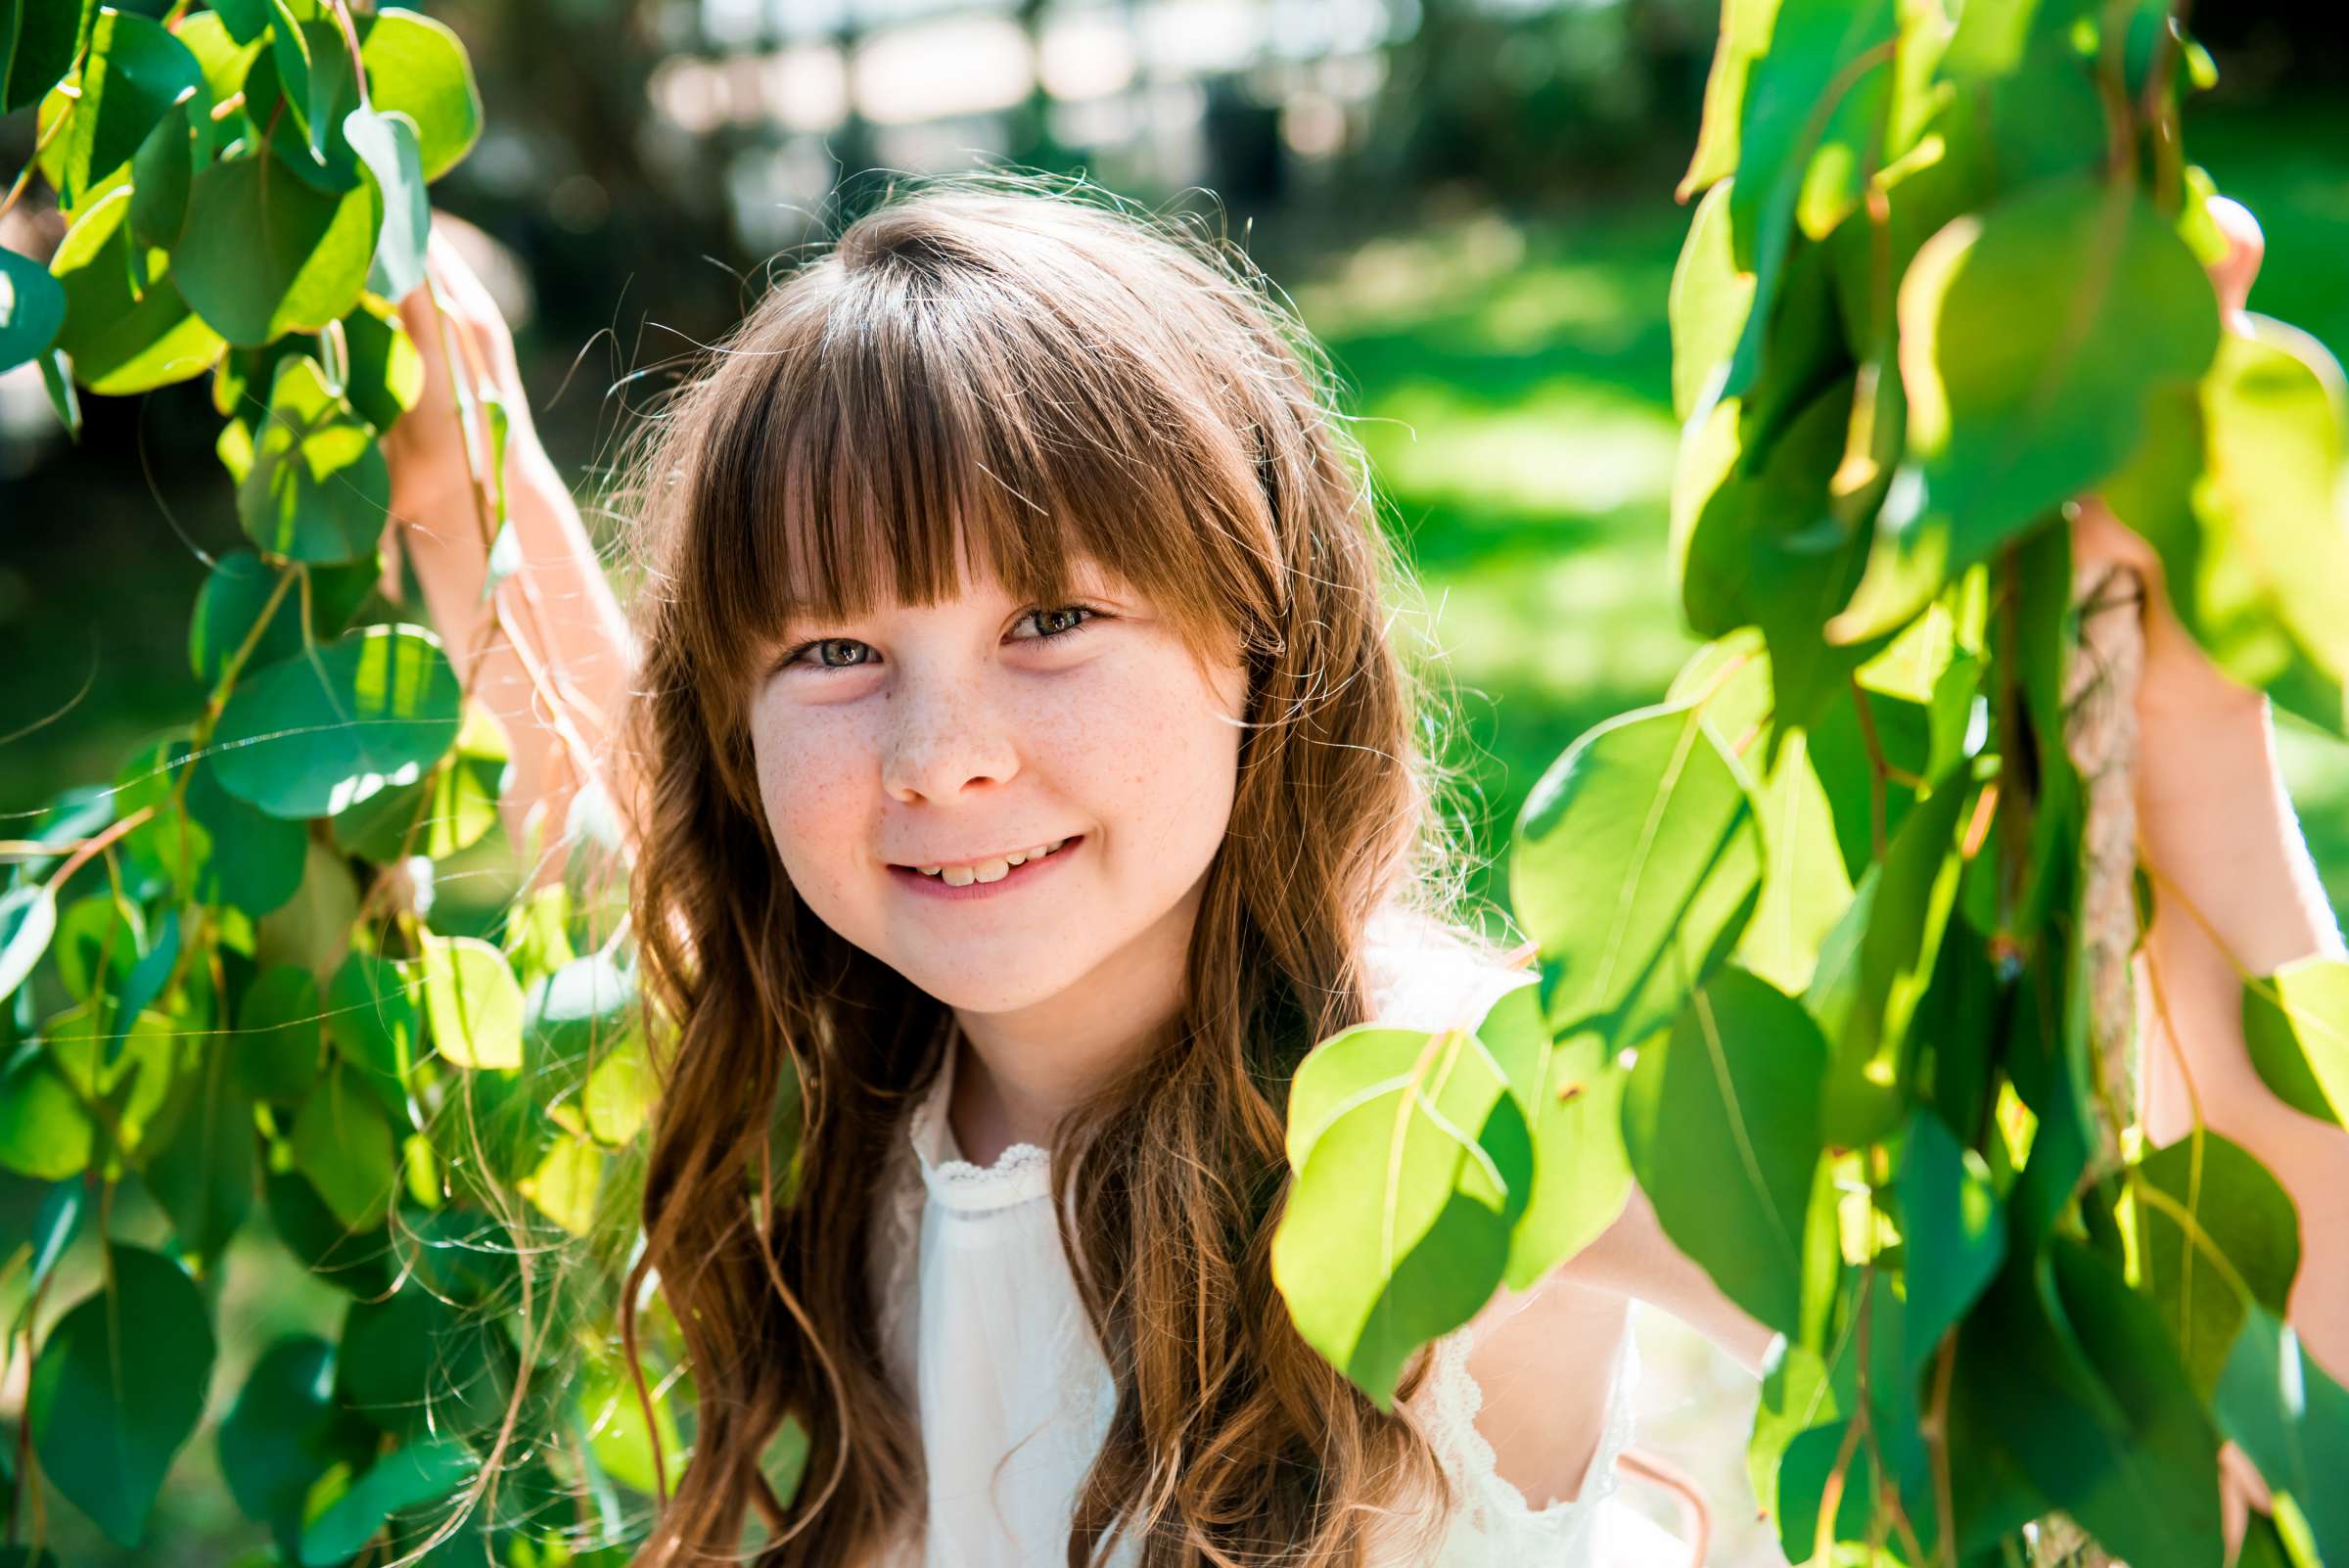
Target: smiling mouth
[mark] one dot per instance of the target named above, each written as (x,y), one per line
(990,871)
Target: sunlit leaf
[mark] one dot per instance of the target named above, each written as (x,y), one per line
(1398,1228)
(266,254)
(321,730)
(2296,1029)
(1635,864)
(1721,1119)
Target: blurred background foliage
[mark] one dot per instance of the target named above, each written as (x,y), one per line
(1469,200)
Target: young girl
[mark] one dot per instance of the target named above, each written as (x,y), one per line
(1017,760)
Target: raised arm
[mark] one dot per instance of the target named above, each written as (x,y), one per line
(549,653)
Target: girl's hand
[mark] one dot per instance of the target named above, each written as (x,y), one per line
(2180,683)
(426,449)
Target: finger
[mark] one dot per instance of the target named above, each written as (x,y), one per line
(2247,246)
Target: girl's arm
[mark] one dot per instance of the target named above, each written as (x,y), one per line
(549,653)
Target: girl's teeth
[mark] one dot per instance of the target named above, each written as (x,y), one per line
(962,876)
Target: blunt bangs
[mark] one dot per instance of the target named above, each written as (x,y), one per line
(911,412)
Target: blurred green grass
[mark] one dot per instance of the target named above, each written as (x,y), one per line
(1514,396)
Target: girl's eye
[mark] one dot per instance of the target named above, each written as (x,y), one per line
(1051,625)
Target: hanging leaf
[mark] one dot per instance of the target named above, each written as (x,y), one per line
(137,71)
(45,1127)
(38,40)
(1574,1100)
(278,1048)
(386,143)
(2296,1029)
(320,732)
(162,171)
(265,254)
(416,66)
(340,1144)
(420,1472)
(117,1387)
(2225,1240)
(1635,863)
(472,1001)
(2033,338)
(285,1431)
(1413,1165)
(319,488)
(120,341)
(1953,1232)
(203,1174)
(31,309)
(417,1367)
(1721,1119)
(1878,961)
(2289,1416)
(386,373)
(27,922)
(2239,491)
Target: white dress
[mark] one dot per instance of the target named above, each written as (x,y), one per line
(1014,1395)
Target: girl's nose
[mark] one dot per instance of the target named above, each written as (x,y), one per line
(943,739)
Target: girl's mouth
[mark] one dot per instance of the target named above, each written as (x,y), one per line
(1022,875)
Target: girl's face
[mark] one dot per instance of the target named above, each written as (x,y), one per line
(966,733)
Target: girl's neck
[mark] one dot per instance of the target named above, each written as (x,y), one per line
(1017,1074)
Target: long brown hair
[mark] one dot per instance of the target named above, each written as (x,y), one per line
(1033,373)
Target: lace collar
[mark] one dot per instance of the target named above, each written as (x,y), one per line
(1021,1173)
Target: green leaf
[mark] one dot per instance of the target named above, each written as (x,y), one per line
(1721,1122)
(2033,337)
(1805,889)
(2296,1028)
(38,40)
(386,373)
(265,254)
(319,488)
(1877,962)
(31,309)
(1953,1232)
(118,1386)
(385,142)
(119,341)
(45,1127)
(1414,1170)
(278,1048)
(2239,491)
(1710,296)
(241,584)
(1745,30)
(2227,1240)
(1636,863)
(162,171)
(2088,1393)
(1817,96)
(285,1431)
(204,1175)
(27,922)
(1582,1173)
(416,1366)
(2291,1419)
(322,730)
(342,1143)
(416,66)
(473,1001)
(373,1016)
(358,1262)
(224,57)
(582,1010)
(420,1472)
(257,860)
(136,73)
